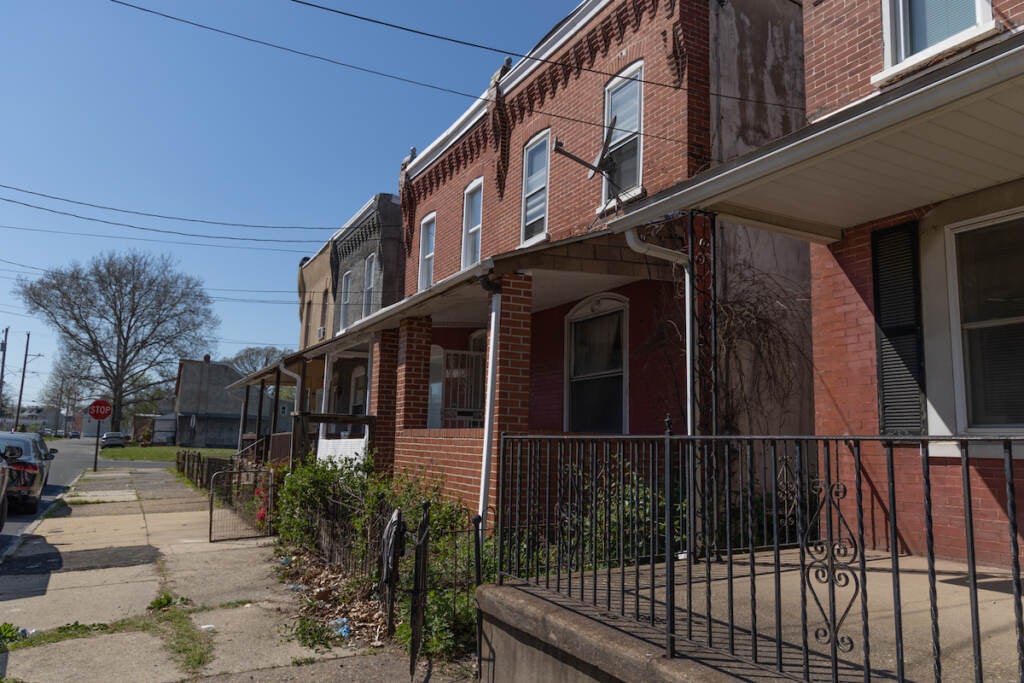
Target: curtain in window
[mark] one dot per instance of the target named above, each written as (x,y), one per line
(596,382)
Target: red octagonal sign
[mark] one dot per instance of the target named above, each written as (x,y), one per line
(100,410)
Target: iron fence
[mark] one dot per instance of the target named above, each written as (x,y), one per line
(199,469)
(242,504)
(822,558)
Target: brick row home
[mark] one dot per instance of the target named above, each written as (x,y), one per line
(908,184)
(358,271)
(522,312)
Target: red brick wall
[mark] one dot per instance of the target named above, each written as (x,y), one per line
(413,375)
(675,145)
(451,456)
(844,47)
(512,381)
(653,361)
(383,383)
(846,403)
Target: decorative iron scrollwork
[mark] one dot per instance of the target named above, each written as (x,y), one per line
(829,565)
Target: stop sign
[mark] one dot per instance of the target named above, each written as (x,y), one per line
(100,410)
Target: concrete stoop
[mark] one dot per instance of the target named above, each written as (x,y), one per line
(529,637)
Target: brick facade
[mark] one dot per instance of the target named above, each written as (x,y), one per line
(670,38)
(413,374)
(383,390)
(844,47)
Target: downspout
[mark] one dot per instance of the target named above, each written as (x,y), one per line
(298,395)
(639,246)
(492,375)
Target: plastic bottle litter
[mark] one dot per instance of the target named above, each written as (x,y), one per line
(285,561)
(341,627)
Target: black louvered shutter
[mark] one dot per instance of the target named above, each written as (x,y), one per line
(901,397)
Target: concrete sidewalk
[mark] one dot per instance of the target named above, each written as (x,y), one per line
(129,535)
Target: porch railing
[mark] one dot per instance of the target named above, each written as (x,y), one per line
(846,558)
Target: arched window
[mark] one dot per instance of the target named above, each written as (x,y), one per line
(596,361)
(436,395)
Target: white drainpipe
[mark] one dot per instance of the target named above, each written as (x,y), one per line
(492,371)
(665,254)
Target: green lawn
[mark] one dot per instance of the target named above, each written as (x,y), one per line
(160,453)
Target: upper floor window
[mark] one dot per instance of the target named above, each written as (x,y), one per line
(622,102)
(472,217)
(323,308)
(369,275)
(914,26)
(535,187)
(427,252)
(346,298)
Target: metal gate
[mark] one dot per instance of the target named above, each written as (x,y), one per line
(241,504)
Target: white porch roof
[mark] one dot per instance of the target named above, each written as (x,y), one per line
(940,135)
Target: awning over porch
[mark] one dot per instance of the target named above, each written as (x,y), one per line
(940,135)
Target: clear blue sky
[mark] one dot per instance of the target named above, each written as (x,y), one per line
(109,105)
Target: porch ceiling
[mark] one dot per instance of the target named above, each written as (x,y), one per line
(939,136)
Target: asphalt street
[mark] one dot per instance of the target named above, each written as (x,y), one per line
(73,457)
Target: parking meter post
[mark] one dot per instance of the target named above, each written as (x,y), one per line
(96,449)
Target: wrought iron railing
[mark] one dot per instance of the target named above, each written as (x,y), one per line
(845,558)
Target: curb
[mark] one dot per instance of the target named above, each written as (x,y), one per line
(36,522)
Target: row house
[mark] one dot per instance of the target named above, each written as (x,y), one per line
(521,311)
(908,184)
(356,273)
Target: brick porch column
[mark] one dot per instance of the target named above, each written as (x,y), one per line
(383,382)
(413,375)
(512,385)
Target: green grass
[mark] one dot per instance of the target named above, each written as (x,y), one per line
(159,453)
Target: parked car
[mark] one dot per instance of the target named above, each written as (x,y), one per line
(112,439)
(29,471)
(75,435)
(8,453)
(60,433)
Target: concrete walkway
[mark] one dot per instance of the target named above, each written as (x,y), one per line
(129,535)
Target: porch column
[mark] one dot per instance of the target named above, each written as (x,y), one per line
(259,409)
(325,392)
(413,373)
(509,397)
(383,385)
(245,417)
(512,396)
(277,400)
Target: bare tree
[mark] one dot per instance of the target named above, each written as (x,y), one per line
(67,384)
(127,317)
(254,358)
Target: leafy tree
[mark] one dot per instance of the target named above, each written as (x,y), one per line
(127,318)
(253,358)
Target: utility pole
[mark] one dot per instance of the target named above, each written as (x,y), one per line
(21,391)
(3,367)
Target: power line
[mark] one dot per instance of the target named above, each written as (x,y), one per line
(381,73)
(149,239)
(513,53)
(168,217)
(22,265)
(159,230)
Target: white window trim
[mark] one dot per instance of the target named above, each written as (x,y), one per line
(477,184)
(345,300)
(369,275)
(633,71)
(956,330)
(429,218)
(544,135)
(592,307)
(895,66)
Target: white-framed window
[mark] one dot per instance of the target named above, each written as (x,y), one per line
(924,27)
(436,393)
(357,393)
(472,217)
(596,356)
(427,227)
(623,101)
(535,187)
(987,314)
(369,275)
(346,298)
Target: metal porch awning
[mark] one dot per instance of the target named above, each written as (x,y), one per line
(940,135)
